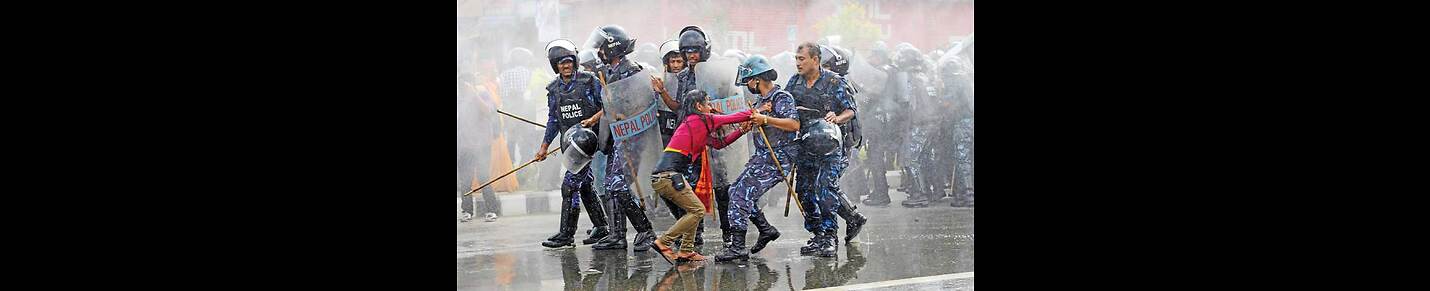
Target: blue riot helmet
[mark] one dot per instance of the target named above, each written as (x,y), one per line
(754,66)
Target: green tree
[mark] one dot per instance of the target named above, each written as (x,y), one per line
(852,24)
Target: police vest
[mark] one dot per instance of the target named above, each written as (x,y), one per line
(573,105)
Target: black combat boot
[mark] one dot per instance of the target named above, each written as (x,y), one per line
(598,215)
(918,196)
(569,214)
(735,250)
(768,233)
(812,245)
(617,239)
(827,245)
(636,215)
(595,235)
(855,222)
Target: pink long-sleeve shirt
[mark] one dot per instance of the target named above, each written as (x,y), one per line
(693,132)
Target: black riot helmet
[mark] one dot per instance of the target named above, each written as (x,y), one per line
(583,140)
(579,145)
(834,59)
(908,58)
(558,50)
(819,137)
(611,42)
(692,39)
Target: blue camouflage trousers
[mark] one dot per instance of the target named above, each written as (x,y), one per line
(964,154)
(816,183)
(759,176)
(919,154)
(618,172)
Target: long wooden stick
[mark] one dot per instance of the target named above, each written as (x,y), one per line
(637,185)
(479,188)
(789,184)
(522,119)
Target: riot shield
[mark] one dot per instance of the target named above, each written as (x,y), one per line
(630,120)
(670,118)
(716,77)
(866,77)
(626,101)
(907,88)
(672,86)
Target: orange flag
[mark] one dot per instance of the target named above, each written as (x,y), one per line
(704,188)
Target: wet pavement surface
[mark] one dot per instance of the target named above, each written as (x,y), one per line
(897,243)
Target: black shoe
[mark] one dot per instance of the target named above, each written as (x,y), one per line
(616,240)
(768,233)
(732,254)
(643,241)
(611,242)
(595,235)
(827,247)
(810,246)
(871,201)
(854,226)
(735,251)
(765,238)
(558,242)
(916,201)
(569,216)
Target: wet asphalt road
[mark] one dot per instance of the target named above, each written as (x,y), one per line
(897,243)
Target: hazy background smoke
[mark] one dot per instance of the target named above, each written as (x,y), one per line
(493,70)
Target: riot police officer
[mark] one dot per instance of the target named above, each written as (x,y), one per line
(832,59)
(882,115)
(822,158)
(572,100)
(910,83)
(771,160)
(613,45)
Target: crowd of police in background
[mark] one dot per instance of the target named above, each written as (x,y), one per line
(931,147)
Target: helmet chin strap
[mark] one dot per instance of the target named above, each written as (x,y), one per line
(756,89)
